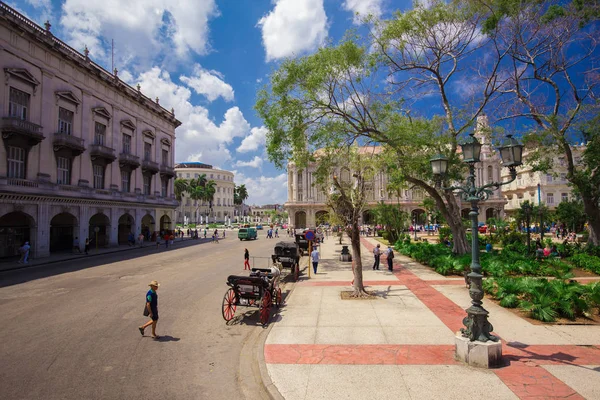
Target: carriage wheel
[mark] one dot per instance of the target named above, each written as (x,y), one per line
(296,271)
(265,308)
(229,305)
(278,297)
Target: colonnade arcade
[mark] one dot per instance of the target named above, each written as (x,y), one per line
(51,228)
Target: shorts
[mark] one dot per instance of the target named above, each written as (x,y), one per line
(154,315)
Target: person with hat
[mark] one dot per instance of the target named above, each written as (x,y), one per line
(377,254)
(151,309)
(390,258)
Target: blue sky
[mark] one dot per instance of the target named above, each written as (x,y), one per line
(206,59)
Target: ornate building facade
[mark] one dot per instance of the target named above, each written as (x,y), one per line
(83,154)
(553,187)
(196,211)
(306,203)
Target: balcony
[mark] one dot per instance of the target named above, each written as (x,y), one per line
(64,143)
(130,161)
(167,171)
(20,133)
(102,153)
(150,166)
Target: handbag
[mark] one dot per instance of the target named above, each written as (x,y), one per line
(146,312)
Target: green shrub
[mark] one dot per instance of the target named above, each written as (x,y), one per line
(587,262)
(513,237)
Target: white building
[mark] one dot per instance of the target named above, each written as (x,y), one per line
(194,211)
(553,187)
(306,203)
(83,154)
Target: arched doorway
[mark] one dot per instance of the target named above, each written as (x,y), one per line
(300,220)
(62,232)
(165,223)
(16,228)
(126,226)
(368,218)
(419,217)
(148,226)
(464,213)
(321,217)
(490,213)
(100,238)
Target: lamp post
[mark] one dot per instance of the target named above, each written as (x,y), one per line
(477,326)
(541,212)
(527,210)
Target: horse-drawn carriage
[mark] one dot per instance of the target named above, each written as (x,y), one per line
(288,255)
(259,289)
(302,242)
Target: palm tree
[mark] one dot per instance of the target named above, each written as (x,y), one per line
(242,193)
(181,186)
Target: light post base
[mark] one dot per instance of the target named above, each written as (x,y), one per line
(478,354)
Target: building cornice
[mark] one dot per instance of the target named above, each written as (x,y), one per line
(50,42)
(29,198)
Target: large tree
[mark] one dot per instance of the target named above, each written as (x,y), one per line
(553,83)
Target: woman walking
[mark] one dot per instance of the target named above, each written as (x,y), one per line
(151,309)
(246,259)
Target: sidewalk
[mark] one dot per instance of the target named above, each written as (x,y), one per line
(401,345)
(66,256)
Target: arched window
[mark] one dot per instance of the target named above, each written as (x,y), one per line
(490,173)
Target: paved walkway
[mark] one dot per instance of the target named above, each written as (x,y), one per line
(401,345)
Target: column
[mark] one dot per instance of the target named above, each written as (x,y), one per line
(42,242)
(113,239)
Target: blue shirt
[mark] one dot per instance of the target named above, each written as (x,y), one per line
(152,298)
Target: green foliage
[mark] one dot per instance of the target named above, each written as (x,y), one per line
(393,220)
(545,300)
(587,262)
(572,214)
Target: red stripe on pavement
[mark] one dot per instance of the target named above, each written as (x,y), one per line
(367,354)
(552,354)
(532,382)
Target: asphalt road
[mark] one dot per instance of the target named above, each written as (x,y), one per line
(70,330)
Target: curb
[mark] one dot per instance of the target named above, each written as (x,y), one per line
(253,348)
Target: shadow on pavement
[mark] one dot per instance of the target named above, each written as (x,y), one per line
(167,338)
(34,272)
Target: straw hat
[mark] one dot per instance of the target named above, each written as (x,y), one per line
(154,283)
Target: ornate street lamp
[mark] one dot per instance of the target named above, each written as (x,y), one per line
(527,208)
(477,326)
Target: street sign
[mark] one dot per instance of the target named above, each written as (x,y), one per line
(309,235)
(319,231)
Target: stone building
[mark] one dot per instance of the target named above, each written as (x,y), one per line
(306,203)
(553,186)
(194,211)
(83,154)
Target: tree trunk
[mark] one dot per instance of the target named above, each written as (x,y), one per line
(359,288)
(460,245)
(593,213)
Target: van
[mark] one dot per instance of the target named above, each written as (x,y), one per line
(247,233)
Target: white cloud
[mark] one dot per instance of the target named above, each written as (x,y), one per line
(363,8)
(209,84)
(252,142)
(293,27)
(199,137)
(141,27)
(256,162)
(263,189)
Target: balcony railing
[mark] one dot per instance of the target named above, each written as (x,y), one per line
(167,171)
(20,128)
(102,152)
(150,166)
(64,141)
(21,183)
(126,159)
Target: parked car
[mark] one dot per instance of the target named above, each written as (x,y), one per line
(247,233)
(259,227)
(483,228)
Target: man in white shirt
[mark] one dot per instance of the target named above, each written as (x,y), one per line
(390,258)
(377,254)
(314,256)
